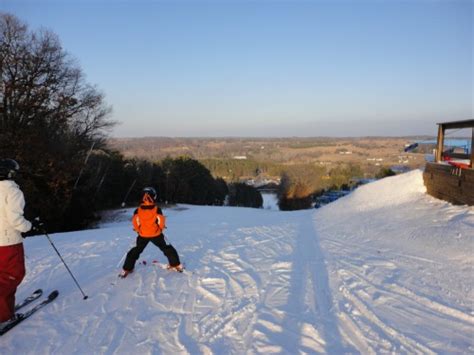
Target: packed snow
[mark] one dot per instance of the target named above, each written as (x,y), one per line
(270,201)
(386,269)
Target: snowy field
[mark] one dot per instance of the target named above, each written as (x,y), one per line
(387,269)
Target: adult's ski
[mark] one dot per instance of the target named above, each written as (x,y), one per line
(20,317)
(34,296)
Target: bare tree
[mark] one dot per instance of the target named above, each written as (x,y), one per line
(42,87)
(49,116)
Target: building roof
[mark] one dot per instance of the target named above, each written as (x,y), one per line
(458,124)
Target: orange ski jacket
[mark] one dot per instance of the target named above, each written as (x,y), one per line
(148,221)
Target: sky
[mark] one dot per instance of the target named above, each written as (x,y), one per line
(269,68)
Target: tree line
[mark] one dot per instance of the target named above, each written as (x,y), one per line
(49,116)
(300,184)
(233,169)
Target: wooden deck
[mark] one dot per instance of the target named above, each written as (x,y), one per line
(449,183)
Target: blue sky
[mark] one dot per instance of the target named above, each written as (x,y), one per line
(269,68)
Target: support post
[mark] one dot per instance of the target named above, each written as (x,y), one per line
(472,149)
(440,145)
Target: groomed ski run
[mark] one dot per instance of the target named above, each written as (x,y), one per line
(387,269)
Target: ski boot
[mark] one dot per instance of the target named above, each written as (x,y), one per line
(125,273)
(178,268)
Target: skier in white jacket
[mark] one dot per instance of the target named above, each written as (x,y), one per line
(12,224)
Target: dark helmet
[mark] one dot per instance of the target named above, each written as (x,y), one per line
(149,192)
(8,169)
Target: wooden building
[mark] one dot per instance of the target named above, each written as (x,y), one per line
(451,176)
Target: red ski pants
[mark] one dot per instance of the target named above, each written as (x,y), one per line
(12,271)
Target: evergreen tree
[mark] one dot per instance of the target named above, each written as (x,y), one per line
(243,195)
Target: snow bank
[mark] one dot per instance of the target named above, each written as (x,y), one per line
(402,262)
(388,192)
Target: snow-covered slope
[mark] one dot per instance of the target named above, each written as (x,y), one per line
(385,269)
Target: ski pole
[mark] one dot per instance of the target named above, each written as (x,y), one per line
(57,252)
(121,259)
(128,192)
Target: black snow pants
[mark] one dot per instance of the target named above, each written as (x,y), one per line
(167,249)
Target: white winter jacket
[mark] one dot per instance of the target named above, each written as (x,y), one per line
(12,222)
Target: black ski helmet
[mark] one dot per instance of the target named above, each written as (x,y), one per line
(8,169)
(150,191)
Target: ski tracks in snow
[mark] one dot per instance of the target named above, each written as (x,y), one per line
(387,300)
(240,296)
(262,288)
(271,292)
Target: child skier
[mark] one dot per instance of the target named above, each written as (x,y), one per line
(149,222)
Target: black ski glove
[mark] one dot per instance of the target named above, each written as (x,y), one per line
(37,225)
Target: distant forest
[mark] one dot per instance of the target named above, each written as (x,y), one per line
(306,167)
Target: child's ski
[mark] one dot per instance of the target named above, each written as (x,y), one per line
(34,296)
(166,266)
(20,317)
(123,274)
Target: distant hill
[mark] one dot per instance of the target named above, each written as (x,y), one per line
(321,150)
